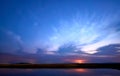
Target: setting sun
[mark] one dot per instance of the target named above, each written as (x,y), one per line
(79,61)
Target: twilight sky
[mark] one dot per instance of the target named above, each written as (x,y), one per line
(59,31)
(81,26)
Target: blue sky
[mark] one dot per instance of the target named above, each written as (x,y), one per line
(51,24)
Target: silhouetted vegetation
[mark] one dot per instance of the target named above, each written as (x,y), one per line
(63,66)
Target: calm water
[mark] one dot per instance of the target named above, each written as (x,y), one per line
(59,72)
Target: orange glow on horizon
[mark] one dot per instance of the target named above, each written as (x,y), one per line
(79,61)
(80,70)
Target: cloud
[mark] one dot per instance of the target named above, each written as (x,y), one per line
(87,33)
(10,40)
(11,58)
(13,43)
(16,38)
(43,52)
(112,49)
(66,49)
(111,39)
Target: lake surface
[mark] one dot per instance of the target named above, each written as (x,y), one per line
(59,72)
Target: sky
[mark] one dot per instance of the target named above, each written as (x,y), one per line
(64,30)
(50,24)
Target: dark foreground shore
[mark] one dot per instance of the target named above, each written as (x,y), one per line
(63,66)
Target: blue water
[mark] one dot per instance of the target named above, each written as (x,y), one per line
(59,72)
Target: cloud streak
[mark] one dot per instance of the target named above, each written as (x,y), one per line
(12,41)
(88,33)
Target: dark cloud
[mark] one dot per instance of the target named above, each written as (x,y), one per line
(40,51)
(111,49)
(115,26)
(69,49)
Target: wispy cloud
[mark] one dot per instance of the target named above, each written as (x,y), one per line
(87,33)
(12,40)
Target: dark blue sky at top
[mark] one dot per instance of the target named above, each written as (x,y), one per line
(33,23)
